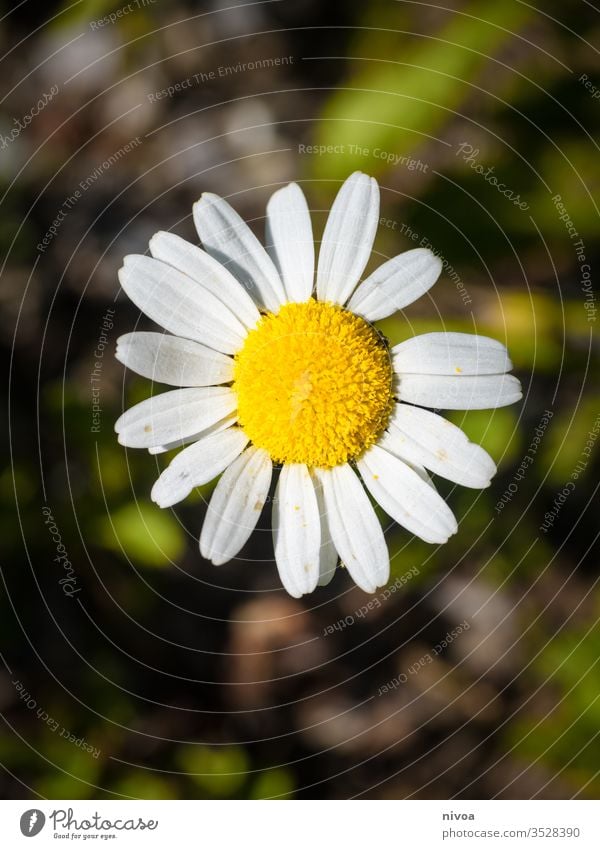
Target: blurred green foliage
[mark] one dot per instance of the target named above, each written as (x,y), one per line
(394,104)
(563,732)
(144,532)
(218,771)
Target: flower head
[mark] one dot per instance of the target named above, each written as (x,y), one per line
(273,370)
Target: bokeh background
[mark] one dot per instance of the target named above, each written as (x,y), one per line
(131,668)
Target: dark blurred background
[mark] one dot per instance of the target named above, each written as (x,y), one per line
(130,666)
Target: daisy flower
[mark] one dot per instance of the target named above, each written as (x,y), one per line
(277,370)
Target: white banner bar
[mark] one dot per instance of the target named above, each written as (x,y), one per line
(302,824)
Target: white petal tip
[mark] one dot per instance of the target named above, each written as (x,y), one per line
(367,588)
(302,582)
(439,537)
(435,261)
(207,197)
(366,585)
(290,187)
(218,560)
(327,577)
(130,260)
(160,498)
(156,240)
(212,556)
(198,207)
(293,593)
(438,540)
(481,481)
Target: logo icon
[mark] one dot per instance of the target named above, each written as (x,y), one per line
(32,822)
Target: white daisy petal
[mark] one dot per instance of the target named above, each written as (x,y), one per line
(354,527)
(198,464)
(229,240)
(179,304)
(470,392)
(396,284)
(348,238)
(406,497)
(174,415)
(296,530)
(236,505)
(173,360)
(420,436)
(450,353)
(329,555)
(290,241)
(205,269)
(222,424)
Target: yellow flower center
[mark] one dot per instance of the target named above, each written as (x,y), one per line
(314,384)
